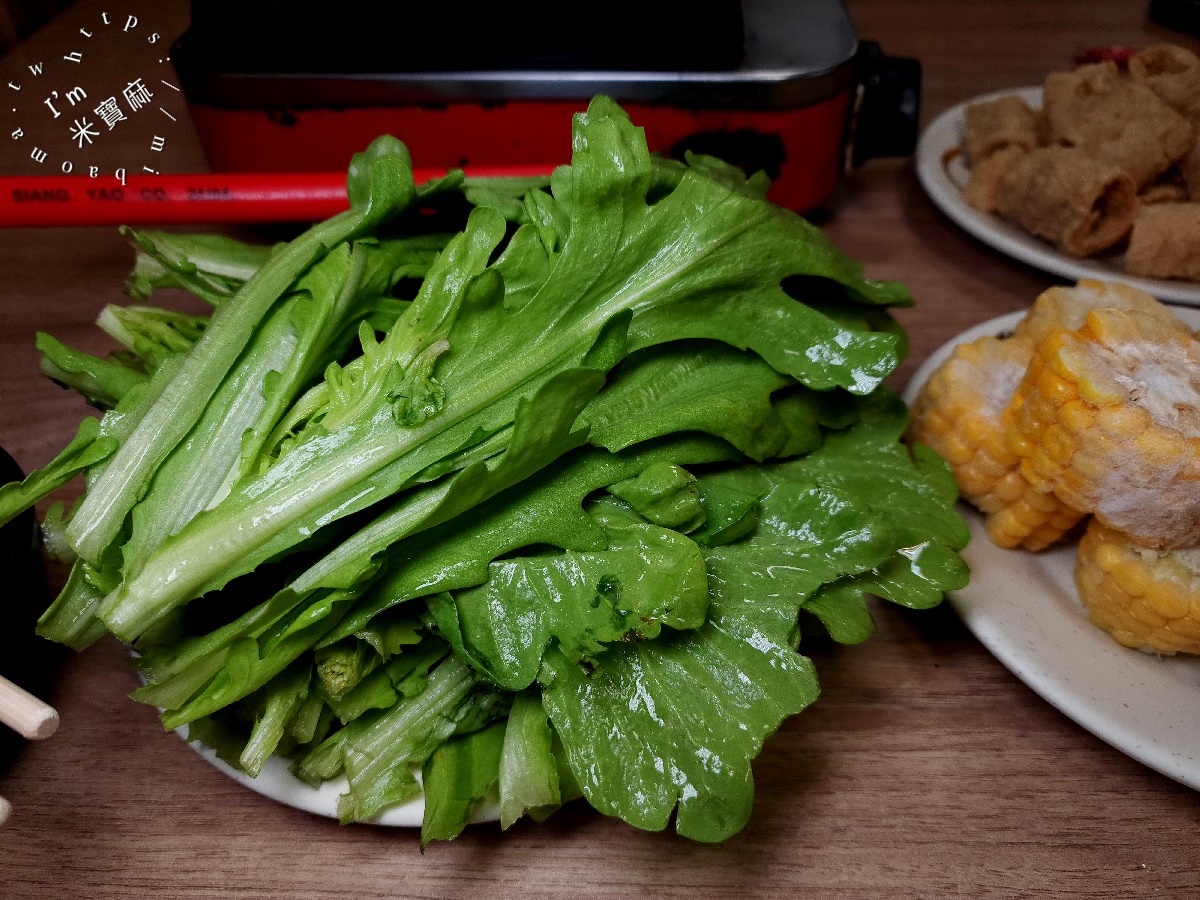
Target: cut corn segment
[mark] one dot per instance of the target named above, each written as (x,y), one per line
(1146,599)
(959,414)
(1068,307)
(1108,418)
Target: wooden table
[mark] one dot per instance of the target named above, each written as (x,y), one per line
(926,769)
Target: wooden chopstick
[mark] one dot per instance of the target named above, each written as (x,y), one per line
(25,713)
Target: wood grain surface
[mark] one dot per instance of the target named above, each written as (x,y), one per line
(925,769)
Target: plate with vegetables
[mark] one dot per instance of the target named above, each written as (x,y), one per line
(484,496)
(1039,599)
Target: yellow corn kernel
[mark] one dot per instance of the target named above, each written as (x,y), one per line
(1046,504)
(1011,487)
(1108,557)
(1170,604)
(1074,482)
(1161,446)
(958,450)
(1055,386)
(1058,443)
(1046,468)
(1185,628)
(1078,416)
(1121,420)
(1093,393)
(1142,613)
(975,430)
(991,466)
(1088,469)
(1131,578)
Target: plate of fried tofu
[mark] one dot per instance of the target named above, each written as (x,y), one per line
(1094,174)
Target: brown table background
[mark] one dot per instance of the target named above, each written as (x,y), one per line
(925,769)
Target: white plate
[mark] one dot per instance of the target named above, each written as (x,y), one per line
(278,783)
(1024,608)
(943,173)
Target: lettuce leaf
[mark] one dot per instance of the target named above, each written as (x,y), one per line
(102,382)
(211,266)
(648,578)
(461,773)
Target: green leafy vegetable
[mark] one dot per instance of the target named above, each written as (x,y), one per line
(211,266)
(380,185)
(510,491)
(152,334)
(102,382)
(88,448)
(460,773)
(647,578)
(532,776)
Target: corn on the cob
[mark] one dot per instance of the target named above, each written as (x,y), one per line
(959,414)
(1145,599)
(1067,307)
(1108,418)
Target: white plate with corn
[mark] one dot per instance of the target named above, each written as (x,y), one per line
(1073,430)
